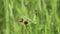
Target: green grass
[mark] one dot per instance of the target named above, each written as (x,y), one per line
(46,22)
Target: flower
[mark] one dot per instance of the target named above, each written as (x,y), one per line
(26,4)
(21,20)
(36,12)
(25,22)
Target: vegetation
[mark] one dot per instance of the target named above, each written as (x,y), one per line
(29,16)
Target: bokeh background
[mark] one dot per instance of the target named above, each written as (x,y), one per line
(29,16)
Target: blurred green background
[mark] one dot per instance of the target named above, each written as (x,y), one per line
(39,16)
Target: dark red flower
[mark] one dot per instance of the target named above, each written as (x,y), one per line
(25,22)
(21,20)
